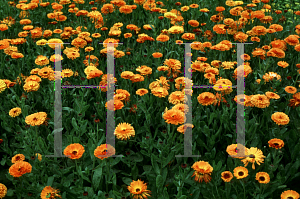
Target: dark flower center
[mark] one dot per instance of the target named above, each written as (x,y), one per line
(137,190)
(241,173)
(226,176)
(262,178)
(74,152)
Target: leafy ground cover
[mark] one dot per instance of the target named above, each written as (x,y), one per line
(150,99)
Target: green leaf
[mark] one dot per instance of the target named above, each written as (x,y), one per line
(75,124)
(155,165)
(117,194)
(10,192)
(218,166)
(159,182)
(168,159)
(137,157)
(127,181)
(50,181)
(97,177)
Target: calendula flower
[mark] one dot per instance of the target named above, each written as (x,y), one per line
(124,131)
(74,151)
(141,91)
(31,86)
(18,157)
(36,119)
(15,112)
(183,127)
(254,155)
(104,151)
(202,172)
(3,190)
(260,101)
(206,98)
(262,177)
(177,97)
(240,172)
(39,156)
(289,194)
(138,189)
(226,176)
(114,105)
(20,168)
(237,151)
(280,118)
(174,116)
(290,89)
(49,192)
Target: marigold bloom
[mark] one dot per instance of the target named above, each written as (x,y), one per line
(74,151)
(49,192)
(31,86)
(276,143)
(260,101)
(3,86)
(280,118)
(124,131)
(177,97)
(36,119)
(20,168)
(159,92)
(254,155)
(117,104)
(183,127)
(104,151)
(206,98)
(236,151)
(272,95)
(202,172)
(3,190)
(290,89)
(240,172)
(15,112)
(141,91)
(174,116)
(289,194)
(138,189)
(292,40)
(226,176)
(18,157)
(276,52)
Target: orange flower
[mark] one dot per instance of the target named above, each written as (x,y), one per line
(104,151)
(276,143)
(240,172)
(49,192)
(280,118)
(125,9)
(16,55)
(193,23)
(176,97)
(36,119)
(206,98)
(276,52)
(18,157)
(157,55)
(202,172)
(292,40)
(124,131)
(74,151)
(138,189)
(4,44)
(295,102)
(141,91)
(272,95)
(290,89)
(3,27)
(20,168)
(260,101)
(159,92)
(162,38)
(174,116)
(117,104)
(220,9)
(226,176)
(182,128)
(236,151)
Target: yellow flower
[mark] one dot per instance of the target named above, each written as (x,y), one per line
(3,190)
(2,86)
(15,112)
